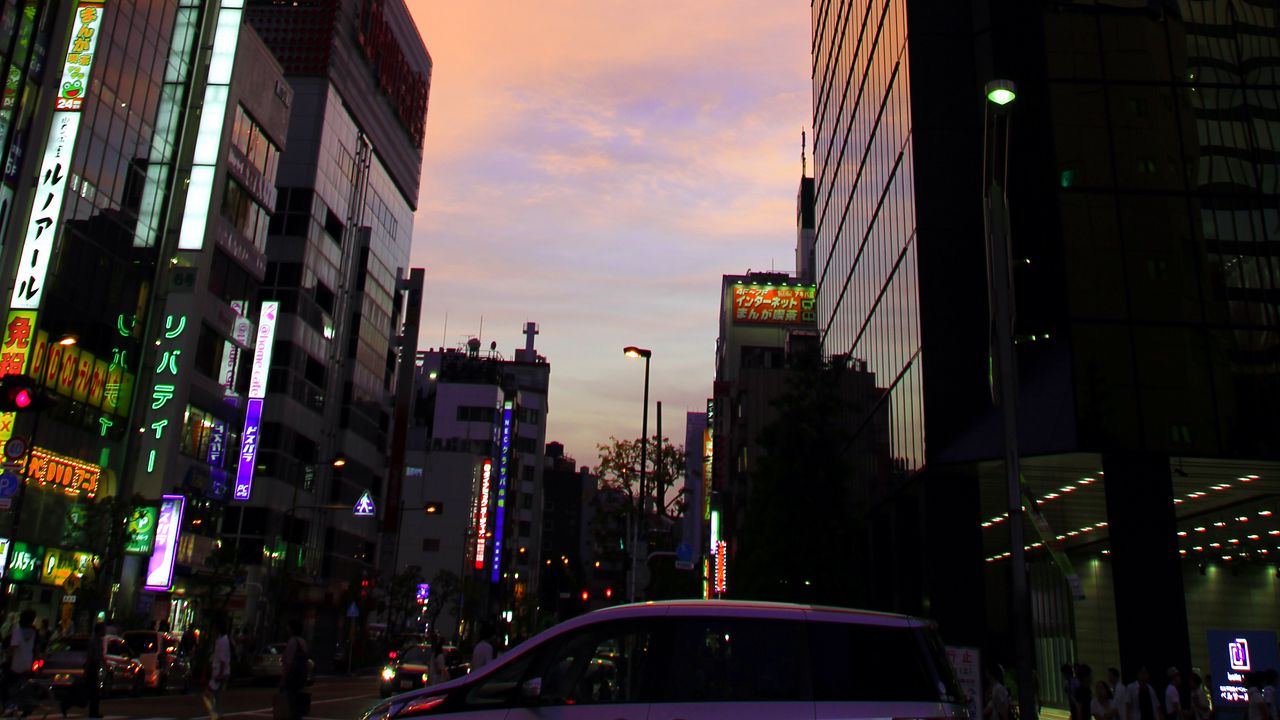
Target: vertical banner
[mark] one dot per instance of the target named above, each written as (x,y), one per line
(13,356)
(500,504)
(257,391)
(168,528)
(482,511)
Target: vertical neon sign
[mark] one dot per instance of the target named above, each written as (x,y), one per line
(257,391)
(504,464)
(168,528)
(482,511)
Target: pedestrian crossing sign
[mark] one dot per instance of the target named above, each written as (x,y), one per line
(364,506)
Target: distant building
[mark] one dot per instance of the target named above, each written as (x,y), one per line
(565,571)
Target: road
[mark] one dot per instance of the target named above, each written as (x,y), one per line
(332,698)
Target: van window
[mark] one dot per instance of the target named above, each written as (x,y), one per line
(736,660)
(608,663)
(872,663)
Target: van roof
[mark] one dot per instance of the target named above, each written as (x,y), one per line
(753,608)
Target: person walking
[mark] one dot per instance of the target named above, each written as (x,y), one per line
(219,671)
(22,651)
(438,670)
(293,680)
(1103,706)
(1069,688)
(1084,691)
(482,653)
(997,707)
(1258,709)
(1269,693)
(92,669)
(1119,693)
(1143,702)
(1173,695)
(1199,699)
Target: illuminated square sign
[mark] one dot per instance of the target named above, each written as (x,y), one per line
(24,562)
(774,304)
(140,535)
(165,553)
(248,450)
(424,592)
(1234,655)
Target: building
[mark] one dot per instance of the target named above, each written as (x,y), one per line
(337,264)
(567,568)
(1142,212)
(476,453)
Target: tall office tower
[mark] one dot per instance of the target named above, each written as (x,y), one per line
(1142,196)
(142,158)
(337,254)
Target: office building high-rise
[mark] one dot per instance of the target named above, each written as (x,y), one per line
(1142,201)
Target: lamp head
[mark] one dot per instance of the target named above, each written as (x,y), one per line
(1001,92)
(68,340)
(636,352)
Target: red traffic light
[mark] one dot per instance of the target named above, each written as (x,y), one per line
(19,393)
(585,596)
(22,398)
(608,593)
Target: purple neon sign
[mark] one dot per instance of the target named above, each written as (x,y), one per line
(248,449)
(168,527)
(504,461)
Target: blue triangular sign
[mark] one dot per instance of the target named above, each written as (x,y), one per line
(364,506)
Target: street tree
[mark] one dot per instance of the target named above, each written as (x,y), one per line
(619,467)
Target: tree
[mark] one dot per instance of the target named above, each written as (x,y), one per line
(800,539)
(445,588)
(400,599)
(619,467)
(100,522)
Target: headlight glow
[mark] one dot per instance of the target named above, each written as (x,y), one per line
(388,673)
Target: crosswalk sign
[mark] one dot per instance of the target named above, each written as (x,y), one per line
(364,506)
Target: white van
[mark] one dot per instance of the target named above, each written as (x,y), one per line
(690,660)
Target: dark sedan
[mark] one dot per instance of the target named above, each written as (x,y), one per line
(406,669)
(63,667)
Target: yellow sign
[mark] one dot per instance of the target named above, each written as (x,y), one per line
(60,566)
(74,477)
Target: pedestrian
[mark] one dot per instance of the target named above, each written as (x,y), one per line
(293,680)
(22,649)
(1143,703)
(1069,688)
(1258,709)
(997,707)
(482,653)
(219,671)
(1269,692)
(1119,693)
(1199,699)
(1173,695)
(1084,690)
(87,690)
(1103,705)
(438,670)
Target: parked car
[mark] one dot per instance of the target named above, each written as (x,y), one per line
(704,659)
(268,664)
(163,665)
(406,669)
(64,661)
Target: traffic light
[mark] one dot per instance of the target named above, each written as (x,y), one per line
(608,593)
(585,596)
(21,393)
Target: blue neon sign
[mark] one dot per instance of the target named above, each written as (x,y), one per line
(504,463)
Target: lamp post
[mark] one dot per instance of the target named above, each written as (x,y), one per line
(635,352)
(1000,95)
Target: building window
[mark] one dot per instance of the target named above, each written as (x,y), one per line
(525,528)
(475,414)
(431,545)
(244,213)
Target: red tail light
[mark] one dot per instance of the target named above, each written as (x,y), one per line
(36,665)
(392,655)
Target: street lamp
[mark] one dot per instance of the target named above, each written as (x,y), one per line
(1004,388)
(632,351)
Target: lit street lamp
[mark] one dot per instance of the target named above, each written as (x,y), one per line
(996,117)
(635,352)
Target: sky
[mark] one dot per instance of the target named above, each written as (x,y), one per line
(595,167)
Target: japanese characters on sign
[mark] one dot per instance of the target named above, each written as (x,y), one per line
(257,391)
(163,409)
(1234,655)
(73,477)
(18,341)
(500,503)
(140,534)
(482,511)
(262,349)
(774,304)
(708,453)
(75,69)
(248,450)
(217,443)
(168,527)
(230,351)
(24,561)
(58,565)
(967,663)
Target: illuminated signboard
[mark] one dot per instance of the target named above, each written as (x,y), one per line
(163,404)
(722,567)
(4,555)
(257,391)
(55,166)
(71,476)
(204,164)
(424,593)
(715,531)
(217,443)
(774,304)
(59,565)
(404,86)
(231,350)
(163,557)
(482,511)
(140,533)
(708,452)
(504,463)
(1234,655)
(24,561)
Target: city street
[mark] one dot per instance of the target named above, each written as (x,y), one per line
(332,698)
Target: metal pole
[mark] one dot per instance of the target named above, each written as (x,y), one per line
(1004,366)
(657,466)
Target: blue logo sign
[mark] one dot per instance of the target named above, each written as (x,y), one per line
(364,507)
(1234,656)
(8,484)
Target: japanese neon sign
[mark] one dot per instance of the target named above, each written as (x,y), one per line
(74,477)
(774,305)
(708,453)
(504,463)
(55,167)
(166,383)
(163,557)
(24,561)
(482,511)
(722,567)
(59,565)
(257,391)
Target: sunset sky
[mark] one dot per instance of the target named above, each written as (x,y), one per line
(595,167)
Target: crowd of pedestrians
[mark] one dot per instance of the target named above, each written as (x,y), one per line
(1184,696)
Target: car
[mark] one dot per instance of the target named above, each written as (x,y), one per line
(406,669)
(163,665)
(268,664)
(705,659)
(64,659)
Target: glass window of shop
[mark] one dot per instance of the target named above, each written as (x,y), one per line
(248,217)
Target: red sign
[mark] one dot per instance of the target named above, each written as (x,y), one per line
(404,86)
(774,304)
